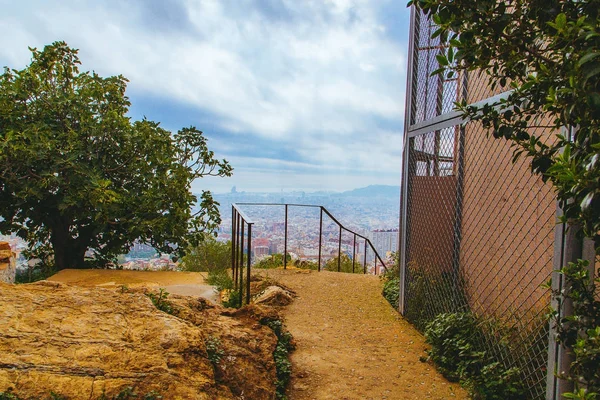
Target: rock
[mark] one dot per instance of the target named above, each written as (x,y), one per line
(8,265)
(82,341)
(274,296)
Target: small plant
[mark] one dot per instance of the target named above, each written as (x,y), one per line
(214,350)
(160,301)
(233,301)
(124,288)
(285,345)
(456,351)
(220,279)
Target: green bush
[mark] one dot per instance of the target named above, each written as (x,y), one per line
(391,292)
(272,261)
(457,351)
(220,279)
(208,255)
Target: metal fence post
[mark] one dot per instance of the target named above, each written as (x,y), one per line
(285,239)
(340,250)
(354,253)
(320,238)
(567,248)
(241,268)
(248,264)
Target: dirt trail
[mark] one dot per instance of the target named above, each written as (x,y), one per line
(352,345)
(183,283)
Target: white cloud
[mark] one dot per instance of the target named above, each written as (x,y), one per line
(320,77)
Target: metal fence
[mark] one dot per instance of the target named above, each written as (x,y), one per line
(479,232)
(242,250)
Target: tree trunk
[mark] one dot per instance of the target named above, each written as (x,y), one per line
(69,253)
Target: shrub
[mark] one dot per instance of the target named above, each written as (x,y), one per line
(220,279)
(456,350)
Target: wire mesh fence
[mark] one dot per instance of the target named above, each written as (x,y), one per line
(479,229)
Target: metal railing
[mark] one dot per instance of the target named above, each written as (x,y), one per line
(239,234)
(239,220)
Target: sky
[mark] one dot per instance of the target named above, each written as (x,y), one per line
(295,94)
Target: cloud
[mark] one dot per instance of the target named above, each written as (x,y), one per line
(320,80)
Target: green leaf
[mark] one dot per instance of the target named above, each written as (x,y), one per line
(561,21)
(587,58)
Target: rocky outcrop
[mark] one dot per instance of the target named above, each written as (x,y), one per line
(8,266)
(274,296)
(84,342)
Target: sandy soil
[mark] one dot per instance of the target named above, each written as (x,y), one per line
(183,283)
(352,345)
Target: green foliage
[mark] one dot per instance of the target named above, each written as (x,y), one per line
(272,261)
(77,174)
(581,330)
(285,345)
(214,350)
(345,265)
(208,255)
(36,273)
(428,295)
(234,299)
(220,279)
(160,301)
(305,264)
(457,352)
(391,283)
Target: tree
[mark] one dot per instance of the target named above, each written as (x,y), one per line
(208,255)
(345,265)
(77,173)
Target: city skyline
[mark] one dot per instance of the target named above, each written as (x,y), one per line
(296,95)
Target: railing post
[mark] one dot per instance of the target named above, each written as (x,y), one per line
(233,218)
(365,260)
(320,238)
(375,265)
(353,253)
(340,250)
(248,264)
(237,251)
(285,239)
(241,268)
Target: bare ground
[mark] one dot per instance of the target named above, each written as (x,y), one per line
(351,344)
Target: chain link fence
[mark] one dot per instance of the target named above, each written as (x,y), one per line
(478,228)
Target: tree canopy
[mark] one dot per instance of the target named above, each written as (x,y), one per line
(77,174)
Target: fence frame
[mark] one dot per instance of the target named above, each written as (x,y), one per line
(567,247)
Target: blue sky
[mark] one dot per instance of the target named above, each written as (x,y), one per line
(296,94)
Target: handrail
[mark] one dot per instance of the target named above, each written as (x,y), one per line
(238,221)
(239,218)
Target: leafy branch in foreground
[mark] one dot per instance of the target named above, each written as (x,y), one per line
(547,53)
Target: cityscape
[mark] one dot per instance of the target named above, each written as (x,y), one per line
(370,211)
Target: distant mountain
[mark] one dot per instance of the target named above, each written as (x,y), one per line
(373,191)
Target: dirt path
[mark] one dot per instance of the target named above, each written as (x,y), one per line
(352,345)
(184,283)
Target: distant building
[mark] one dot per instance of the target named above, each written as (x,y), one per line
(385,241)
(261,251)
